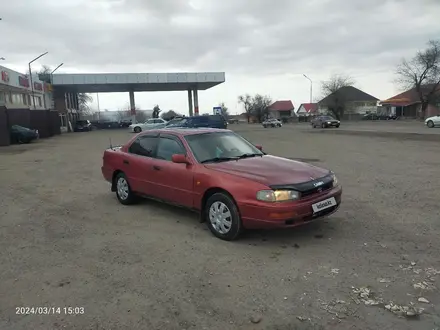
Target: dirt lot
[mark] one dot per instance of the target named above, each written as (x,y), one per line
(66,241)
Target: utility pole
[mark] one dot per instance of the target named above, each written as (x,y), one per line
(30,77)
(311,88)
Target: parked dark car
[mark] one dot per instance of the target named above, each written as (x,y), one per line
(82,126)
(375,116)
(20,134)
(325,122)
(125,123)
(211,121)
(103,124)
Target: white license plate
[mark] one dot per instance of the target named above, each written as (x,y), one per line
(325,204)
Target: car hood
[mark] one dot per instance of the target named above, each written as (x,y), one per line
(270,170)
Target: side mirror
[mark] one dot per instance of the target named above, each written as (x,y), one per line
(259,147)
(179,159)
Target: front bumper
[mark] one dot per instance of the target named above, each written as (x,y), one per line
(284,215)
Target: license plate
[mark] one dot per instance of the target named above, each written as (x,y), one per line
(325,204)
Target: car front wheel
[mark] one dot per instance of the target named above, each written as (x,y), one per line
(123,191)
(137,129)
(222,217)
(430,124)
(323,125)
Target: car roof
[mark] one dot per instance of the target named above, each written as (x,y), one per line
(183,131)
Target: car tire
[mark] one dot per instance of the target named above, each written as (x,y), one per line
(265,126)
(226,228)
(337,126)
(323,125)
(137,129)
(123,190)
(430,124)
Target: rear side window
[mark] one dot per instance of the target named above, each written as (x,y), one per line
(144,146)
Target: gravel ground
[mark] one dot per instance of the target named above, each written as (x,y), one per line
(66,241)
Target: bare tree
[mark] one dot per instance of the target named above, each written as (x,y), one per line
(45,70)
(422,72)
(141,117)
(169,115)
(333,96)
(123,114)
(246,100)
(260,106)
(84,101)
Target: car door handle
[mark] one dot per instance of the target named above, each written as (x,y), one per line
(156,168)
(126,162)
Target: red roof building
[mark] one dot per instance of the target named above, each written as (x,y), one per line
(282,109)
(407,104)
(307,109)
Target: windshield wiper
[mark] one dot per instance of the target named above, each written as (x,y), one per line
(218,159)
(249,155)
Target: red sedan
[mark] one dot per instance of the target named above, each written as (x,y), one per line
(232,183)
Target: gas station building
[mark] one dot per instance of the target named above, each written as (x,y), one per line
(67,86)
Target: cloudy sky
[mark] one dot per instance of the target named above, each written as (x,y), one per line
(263,46)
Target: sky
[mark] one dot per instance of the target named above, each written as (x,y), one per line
(263,46)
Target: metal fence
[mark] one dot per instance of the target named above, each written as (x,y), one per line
(47,122)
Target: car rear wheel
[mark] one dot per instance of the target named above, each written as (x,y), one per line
(123,191)
(137,129)
(265,126)
(430,124)
(222,217)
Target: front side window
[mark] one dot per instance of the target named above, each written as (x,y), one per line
(144,146)
(167,148)
(207,146)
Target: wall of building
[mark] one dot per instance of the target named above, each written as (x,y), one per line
(16,91)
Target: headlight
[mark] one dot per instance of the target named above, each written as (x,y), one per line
(335,181)
(328,122)
(277,195)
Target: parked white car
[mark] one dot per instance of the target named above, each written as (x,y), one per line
(149,124)
(433,121)
(272,122)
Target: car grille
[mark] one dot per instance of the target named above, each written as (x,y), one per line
(317,190)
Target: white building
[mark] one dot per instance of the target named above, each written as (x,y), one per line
(16,91)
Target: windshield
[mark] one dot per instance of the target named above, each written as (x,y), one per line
(327,118)
(220,146)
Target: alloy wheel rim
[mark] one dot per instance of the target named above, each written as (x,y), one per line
(122,188)
(220,217)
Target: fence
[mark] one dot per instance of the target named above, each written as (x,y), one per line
(47,122)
